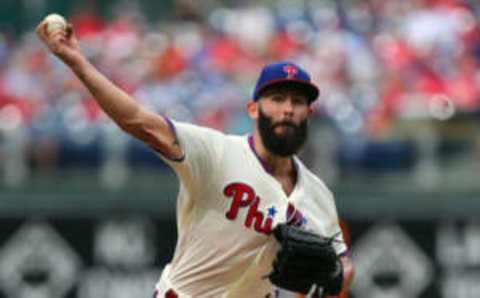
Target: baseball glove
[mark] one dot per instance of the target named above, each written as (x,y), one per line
(306,263)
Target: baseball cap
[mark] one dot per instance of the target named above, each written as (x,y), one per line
(285,73)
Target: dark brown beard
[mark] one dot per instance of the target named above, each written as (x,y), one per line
(286,145)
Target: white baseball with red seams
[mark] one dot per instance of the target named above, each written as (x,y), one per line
(55,22)
(227,205)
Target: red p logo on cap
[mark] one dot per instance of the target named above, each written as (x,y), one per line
(290,70)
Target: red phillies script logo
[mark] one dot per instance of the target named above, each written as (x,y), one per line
(243,196)
(295,217)
(290,70)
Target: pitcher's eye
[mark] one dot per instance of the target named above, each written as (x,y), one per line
(278,98)
(299,100)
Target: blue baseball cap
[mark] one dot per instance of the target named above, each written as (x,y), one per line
(285,73)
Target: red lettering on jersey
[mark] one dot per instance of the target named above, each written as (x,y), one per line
(294,217)
(254,215)
(243,196)
(267,227)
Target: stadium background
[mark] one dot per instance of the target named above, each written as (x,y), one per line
(85,211)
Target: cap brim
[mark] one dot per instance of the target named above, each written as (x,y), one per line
(309,88)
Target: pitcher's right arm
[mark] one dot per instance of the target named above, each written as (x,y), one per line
(151,128)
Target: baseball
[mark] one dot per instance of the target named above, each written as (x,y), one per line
(55,22)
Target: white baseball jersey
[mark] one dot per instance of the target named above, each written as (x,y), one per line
(227,205)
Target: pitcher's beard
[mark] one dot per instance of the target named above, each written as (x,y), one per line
(282,145)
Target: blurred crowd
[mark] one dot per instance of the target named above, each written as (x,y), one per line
(377,62)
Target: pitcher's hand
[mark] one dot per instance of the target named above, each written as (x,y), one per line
(62,43)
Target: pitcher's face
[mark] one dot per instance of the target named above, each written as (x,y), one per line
(283,120)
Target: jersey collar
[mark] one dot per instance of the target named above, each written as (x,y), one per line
(267,167)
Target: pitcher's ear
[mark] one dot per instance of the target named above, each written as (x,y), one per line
(252,109)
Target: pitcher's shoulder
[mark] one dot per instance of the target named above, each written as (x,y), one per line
(312,180)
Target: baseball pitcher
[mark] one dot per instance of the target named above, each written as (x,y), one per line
(251,217)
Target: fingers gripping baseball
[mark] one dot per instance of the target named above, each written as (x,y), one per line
(60,40)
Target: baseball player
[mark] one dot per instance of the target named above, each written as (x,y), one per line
(240,196)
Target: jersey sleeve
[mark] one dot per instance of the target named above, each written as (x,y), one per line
(325,219)
(201,149)
(334,229)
